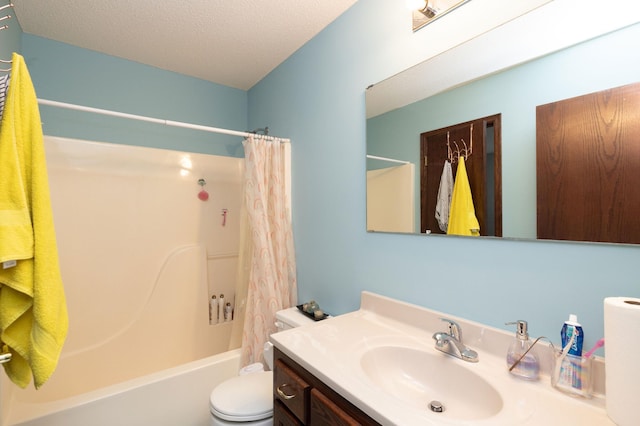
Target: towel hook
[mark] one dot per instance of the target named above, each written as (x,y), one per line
(465,150)
(471,139)
(453,157)
(3,61)
(5,356)
(4,27)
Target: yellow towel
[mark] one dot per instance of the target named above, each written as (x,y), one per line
(33,312)
(462,216)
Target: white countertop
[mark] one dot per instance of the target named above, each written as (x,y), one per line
(332,349)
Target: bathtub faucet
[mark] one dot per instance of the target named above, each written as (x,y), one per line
(451,343)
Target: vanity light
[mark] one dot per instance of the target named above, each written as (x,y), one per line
(426,11)
(415,4)
(428,8)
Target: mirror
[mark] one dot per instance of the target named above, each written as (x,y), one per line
(423,99)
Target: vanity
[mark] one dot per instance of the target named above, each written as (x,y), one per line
(379,365)
(303,399)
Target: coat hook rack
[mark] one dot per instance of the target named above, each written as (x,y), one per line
(465,152)
(2,18)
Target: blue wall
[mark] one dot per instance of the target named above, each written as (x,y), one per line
(64,73)
(317,98)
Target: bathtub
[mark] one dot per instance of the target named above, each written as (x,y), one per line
(140,256)
(178,396)
(166,352)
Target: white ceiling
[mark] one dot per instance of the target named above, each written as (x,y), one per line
(231,42)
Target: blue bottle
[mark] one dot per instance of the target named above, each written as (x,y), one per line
(571,327)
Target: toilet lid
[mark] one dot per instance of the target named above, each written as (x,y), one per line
(244,398)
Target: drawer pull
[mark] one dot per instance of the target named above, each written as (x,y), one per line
(282,394)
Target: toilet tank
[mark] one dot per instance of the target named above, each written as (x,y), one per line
(285,319)
(291,318)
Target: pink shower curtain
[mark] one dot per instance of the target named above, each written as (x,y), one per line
(272,271)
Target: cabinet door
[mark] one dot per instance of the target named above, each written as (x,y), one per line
(291,390)
(325,412)
(588,167)
(283,417)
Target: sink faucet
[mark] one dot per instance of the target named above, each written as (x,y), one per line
(451,342)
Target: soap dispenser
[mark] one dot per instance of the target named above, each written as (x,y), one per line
(529,366)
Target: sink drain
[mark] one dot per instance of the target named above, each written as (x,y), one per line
(436,406)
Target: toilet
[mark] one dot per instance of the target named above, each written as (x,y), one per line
(247,399)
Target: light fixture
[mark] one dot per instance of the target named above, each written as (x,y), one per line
(415,4)
(426,11)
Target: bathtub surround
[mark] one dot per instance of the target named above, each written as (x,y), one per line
(133,290)
(271,285)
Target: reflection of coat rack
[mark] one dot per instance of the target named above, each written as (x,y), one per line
(2,18)
(454,154)
(5,62)
(4,27)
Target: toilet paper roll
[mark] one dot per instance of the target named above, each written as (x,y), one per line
(622,367)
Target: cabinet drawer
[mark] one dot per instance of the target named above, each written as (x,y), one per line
(292,391)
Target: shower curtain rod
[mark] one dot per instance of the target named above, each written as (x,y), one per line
(153,120)
(391,160)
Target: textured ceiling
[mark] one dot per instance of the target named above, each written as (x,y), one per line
(231,42)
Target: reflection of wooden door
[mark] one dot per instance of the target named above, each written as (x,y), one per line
(483,168)
(588,167)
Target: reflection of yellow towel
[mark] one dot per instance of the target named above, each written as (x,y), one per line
(462,217)
(33,312)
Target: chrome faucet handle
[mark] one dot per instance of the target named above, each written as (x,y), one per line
(454,329)
(451,343)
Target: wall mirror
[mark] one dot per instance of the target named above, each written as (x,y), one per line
(422,99)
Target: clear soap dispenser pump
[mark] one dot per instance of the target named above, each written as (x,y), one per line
(528,367)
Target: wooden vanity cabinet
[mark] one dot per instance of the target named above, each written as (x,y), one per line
(301,399)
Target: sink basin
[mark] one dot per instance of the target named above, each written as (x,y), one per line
(417,378)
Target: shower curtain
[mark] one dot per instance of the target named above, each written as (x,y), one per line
(267,267)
